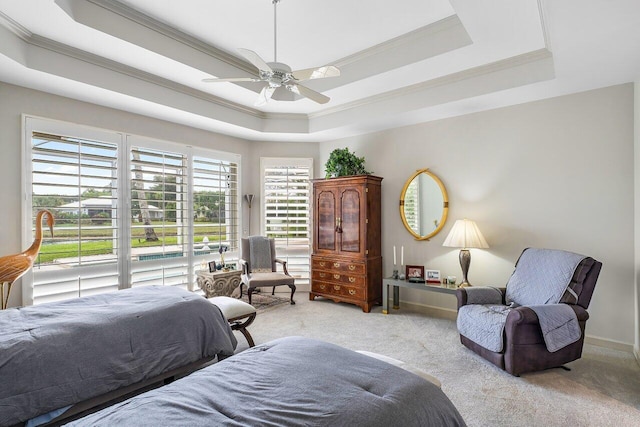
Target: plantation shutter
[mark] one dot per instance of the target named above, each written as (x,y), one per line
(76,179)
(286,211)
(215,207)
(159,228)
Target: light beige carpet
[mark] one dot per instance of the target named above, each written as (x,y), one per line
(603,388)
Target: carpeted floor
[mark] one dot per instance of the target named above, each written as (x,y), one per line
(263,301)
(603,388)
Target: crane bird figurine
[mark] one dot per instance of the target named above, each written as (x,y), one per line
(12,267)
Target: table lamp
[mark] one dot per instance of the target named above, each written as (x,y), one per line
(465,234)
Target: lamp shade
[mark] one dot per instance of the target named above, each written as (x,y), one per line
(465,234)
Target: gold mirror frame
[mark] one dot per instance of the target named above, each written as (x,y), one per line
(445,207)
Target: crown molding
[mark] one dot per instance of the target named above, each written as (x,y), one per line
(14,27)
(168,31)
(526,58)
(401,41)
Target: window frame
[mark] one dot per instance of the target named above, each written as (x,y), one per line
(124,141)
(289,162)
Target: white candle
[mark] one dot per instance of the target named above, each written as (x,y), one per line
(394,255)
(401,255)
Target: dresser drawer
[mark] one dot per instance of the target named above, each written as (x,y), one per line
(337,266)
(338,289)
(339,278)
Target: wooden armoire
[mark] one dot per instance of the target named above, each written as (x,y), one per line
(346,263)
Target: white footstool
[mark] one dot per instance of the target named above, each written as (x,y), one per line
(238,313)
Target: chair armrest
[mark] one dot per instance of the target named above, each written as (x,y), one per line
(244,265)
(480,295)
(524,315)
(284,265)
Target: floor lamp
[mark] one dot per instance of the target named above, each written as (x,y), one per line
(249,199)
(465,234)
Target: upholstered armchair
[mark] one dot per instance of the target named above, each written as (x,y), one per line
(259,262)
(538,321)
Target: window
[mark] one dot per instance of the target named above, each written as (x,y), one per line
(286,210)
(129,211)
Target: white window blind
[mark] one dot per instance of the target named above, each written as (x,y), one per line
(286,211)
(215,206)
(76,179)
(125,210)
(159,228)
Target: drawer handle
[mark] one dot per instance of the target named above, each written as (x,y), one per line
(352,267)
(336,276)
(352,279)
(336,287)
(336,264)
(323,274)
(322,263)
(323,287)
(352,291)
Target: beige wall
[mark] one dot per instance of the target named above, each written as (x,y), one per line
(556,173)
(636,116)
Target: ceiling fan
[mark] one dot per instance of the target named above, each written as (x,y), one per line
(278,75)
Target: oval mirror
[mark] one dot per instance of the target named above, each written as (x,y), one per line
(424,205)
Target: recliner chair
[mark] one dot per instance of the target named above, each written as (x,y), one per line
(523,343)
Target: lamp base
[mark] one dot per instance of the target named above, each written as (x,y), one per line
(465,261)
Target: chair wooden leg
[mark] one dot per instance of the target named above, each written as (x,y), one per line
(249,292)
(293,291)
(237,325)
(273,290)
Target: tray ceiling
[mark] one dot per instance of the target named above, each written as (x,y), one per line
(402,62)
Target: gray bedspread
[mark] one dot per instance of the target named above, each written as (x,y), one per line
(58,354)
(289,382)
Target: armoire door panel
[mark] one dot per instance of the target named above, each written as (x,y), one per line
(350,221)
(326,221)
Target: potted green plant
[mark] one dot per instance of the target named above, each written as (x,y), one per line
(342,162)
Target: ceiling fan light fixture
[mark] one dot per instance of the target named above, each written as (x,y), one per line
(276,74)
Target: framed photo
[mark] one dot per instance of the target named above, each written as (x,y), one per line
(433,276)
(212,267)
(414,272)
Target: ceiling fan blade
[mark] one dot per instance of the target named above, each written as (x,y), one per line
(255,59)
(316,73)
(265,95)
(309,93)
(232,79)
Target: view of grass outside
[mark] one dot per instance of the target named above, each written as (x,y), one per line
(98,241)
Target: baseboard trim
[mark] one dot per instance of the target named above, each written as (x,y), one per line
(612,344)
(445,313)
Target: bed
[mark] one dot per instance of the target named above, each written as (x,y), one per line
(289,381)
(67,356)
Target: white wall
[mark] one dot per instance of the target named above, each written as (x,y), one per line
(636,116)
(14,101)
(556,173)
